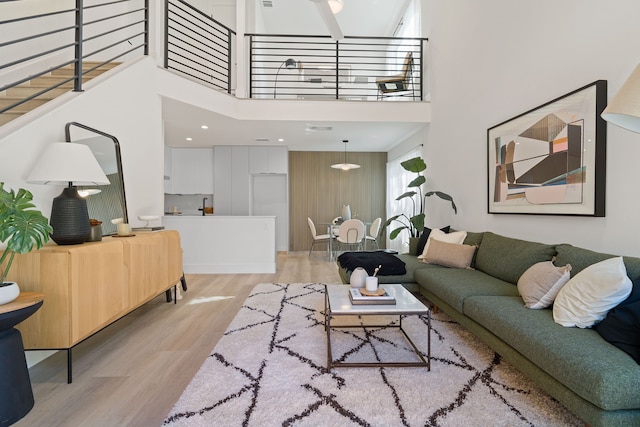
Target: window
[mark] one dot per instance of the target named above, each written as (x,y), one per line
(397,181)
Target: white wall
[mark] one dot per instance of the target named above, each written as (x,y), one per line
(495,59)
(126,106)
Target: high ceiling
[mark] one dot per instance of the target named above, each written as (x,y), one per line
(358,18)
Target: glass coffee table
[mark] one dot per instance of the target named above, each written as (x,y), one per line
(338,303)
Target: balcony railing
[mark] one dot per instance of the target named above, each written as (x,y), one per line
(317,67)
(198,46)
(99,33)
(203,49)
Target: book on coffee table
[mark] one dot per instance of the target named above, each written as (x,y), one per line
(381,297)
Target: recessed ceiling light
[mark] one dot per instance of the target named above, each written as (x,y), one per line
(204,127)
(280,139)
(189,139)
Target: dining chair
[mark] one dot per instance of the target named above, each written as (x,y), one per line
(374,230)
(403,82)
(324,238)
(351,233)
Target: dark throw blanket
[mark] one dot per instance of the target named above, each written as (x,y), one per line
(391,264)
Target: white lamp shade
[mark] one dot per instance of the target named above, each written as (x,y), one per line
(66,162)
(335,5)
(624,108)
(345,166)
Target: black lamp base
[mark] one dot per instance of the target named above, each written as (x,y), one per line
(70,218)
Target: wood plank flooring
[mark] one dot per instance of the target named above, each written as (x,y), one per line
(132,372)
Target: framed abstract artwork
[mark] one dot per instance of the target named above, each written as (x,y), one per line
(551,160)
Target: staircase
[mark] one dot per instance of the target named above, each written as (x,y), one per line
(30,88)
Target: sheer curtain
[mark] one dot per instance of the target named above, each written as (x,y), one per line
(397,181)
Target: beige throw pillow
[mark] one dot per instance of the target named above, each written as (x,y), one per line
(452,255)
(455,237)
(539,284)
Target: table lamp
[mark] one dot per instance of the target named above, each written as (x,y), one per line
(72,164)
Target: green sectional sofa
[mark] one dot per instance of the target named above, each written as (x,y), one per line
(591,377)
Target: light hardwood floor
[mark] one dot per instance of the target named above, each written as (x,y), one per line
(132,372)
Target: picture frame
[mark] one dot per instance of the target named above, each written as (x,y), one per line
(551,160)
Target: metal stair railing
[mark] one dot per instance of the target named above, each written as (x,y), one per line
(102,33)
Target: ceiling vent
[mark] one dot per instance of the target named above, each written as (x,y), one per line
(267,3)
(319,128)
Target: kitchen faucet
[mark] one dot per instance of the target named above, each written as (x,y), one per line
(203,203)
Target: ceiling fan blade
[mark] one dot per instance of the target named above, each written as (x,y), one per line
(329,19)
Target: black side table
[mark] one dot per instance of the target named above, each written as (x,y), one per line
(16,395)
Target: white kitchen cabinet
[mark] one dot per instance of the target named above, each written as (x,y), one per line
(167,170)
(192,171)
(268,160)
(232,190)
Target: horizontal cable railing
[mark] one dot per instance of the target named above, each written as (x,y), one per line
(198,46)
(317,67)
(82,39)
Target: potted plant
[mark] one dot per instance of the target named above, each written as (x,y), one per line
(415,223)
(21,227)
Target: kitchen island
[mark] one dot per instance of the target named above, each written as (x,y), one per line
(214,244)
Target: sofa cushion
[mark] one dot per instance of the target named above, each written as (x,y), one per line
(454,286)
(473,238)
(507,258)
(590,294)
(450,254)
(578,358)
(423,239)
(540,284)
(580,259)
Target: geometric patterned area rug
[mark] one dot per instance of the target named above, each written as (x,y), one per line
(269,369)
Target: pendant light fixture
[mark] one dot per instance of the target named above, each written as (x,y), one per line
(345,166)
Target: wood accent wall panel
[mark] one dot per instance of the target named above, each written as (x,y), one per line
(317,191)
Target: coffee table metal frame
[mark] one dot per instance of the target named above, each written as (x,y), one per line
(337,303)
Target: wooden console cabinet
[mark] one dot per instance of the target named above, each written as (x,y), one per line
(89,286)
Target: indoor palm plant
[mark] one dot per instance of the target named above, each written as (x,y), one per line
(21,227)
(415,223)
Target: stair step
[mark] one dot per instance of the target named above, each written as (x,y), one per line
(25,91)
(7,117)
(11,96)
(68,70)
(6,101)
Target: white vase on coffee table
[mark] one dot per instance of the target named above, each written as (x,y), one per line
(358,278)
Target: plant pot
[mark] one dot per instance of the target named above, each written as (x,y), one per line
(8,292)
(413,245)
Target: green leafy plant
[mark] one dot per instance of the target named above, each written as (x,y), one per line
(21,226)
(415,223)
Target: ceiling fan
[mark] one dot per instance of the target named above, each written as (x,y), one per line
(327,10)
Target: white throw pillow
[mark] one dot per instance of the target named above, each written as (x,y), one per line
(456,237)
(540,284)
(590,294)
